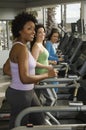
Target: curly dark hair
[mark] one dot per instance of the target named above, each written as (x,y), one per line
(19,22)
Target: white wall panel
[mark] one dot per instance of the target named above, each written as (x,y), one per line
(3,57)
(8,14)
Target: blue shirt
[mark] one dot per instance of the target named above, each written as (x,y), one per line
(52,53)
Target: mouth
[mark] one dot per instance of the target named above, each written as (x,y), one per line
(32,36)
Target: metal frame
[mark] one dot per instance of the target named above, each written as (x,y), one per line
(49,109)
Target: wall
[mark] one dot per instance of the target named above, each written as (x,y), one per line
(3,57)
(83,10)
(8,13)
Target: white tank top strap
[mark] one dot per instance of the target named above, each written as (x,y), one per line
(17,43)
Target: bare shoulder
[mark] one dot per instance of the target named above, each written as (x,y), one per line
(17,52)
(36,47)
(18,48)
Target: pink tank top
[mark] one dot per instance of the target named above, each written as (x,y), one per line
(16,82)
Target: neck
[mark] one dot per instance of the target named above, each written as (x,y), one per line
(21,40)
(51,41)
(39,42)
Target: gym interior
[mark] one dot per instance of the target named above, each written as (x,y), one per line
(66,109)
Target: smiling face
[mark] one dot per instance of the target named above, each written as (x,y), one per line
(40,36)
(28,32)
(54,37)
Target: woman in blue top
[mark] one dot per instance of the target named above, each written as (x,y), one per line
(53,38)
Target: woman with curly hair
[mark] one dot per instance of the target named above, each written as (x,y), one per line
(21,67)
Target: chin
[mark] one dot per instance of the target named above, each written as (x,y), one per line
(31,40)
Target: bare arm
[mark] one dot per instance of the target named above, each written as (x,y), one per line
(39,65)
(35,51)
(25,77)
(6,68)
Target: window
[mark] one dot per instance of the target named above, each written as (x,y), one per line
(58,14)
(73,12)
(5,35)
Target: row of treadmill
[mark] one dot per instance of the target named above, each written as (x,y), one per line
(66,109)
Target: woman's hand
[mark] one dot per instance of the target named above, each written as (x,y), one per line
(52,73)
(6,68)
(61,59)
(53,62)
(49,67)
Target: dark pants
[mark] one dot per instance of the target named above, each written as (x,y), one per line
(20,100)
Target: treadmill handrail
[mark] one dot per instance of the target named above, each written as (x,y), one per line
(53,127)
(54,86)
(60,79)
(45,109)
